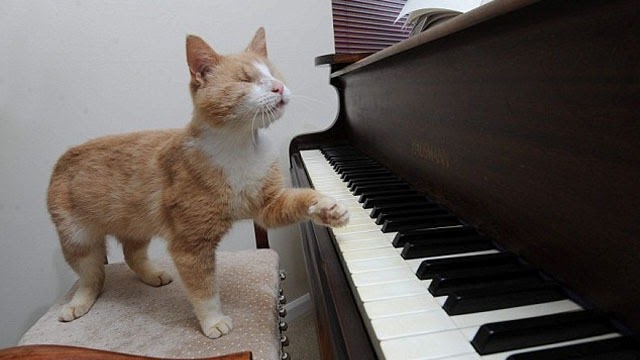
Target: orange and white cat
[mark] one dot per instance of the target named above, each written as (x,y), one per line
(186,185)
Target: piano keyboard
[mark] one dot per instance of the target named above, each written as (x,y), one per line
(430,286)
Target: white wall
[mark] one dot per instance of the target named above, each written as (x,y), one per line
(74,70)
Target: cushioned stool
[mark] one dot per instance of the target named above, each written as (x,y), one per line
(134,318)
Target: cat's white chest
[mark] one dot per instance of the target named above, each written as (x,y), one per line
(245,163)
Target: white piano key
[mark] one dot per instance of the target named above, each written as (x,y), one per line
(355,228)
(463,357)
(391,290)
(360,220)
(400,306)
(520,312)
(424,322)
(381,276)
(369,254)
(427,347)
(365,244)
(393,262)
(360,215)
(364,235)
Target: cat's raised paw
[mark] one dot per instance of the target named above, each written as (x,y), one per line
(327,211)
(217,326)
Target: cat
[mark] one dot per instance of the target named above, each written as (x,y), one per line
(187,185)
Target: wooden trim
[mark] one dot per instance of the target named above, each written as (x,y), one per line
(333,59)
(44,352)
(262,237)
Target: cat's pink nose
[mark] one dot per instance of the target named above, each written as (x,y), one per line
(277,87)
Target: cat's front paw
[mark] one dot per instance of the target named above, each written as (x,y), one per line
(217,326)
(156,278)
(327,211)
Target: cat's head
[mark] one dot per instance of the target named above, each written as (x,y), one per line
(242,91)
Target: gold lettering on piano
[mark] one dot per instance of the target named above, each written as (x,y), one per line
(430,153)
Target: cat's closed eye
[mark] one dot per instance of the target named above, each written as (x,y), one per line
(245,77)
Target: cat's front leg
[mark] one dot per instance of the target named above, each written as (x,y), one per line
(327,211)
(289,206)
(196,265)
(213,322)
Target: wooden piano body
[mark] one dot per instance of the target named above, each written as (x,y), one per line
(522,117)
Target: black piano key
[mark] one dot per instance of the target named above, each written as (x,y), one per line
(518,334)
(534,291)
(342,167)
(401,205)
(345,155)
(428,268)
(404,237)
(448,282)
(401,214)
(364,180)
(446,247)
(339,149)
(393,199)
(391,192)
(348,159)
(340,154)
(378,174)
(380,187)
(619,348)
(346,173)
(353,186)
(420,222)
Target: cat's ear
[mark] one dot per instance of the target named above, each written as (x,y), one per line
(259,43)
(201,58)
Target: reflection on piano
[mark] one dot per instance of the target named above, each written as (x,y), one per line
(491,167)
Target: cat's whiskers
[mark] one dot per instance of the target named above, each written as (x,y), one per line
(253,128)
(272,115)
(262,116)
(307,98)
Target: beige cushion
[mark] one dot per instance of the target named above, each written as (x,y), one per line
(135,318)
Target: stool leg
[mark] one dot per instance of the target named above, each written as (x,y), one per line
(135,254)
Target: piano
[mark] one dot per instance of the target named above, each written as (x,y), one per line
(491,165)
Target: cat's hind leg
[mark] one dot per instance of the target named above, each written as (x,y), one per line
(85,252)
(135,254)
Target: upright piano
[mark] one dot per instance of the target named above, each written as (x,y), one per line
(491,165)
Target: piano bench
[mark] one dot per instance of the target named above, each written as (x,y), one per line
(134,318)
